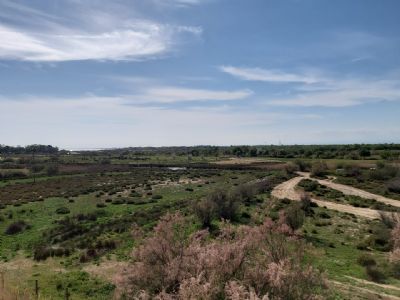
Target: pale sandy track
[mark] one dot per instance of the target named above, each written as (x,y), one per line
(288,190)
(385,286)
(369,293)
(349,190)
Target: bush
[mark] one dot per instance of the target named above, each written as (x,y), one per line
(324,215)
(352,171)
(302,165)
(319,169)
(291,168)
(395,268)
(227,205)
(384,173)
(118,201)
(363,245)
(380,238)
(42,252)
(306,204)
(174,264)
(394,185)
(205,210)
(389,219)
(309,185)
(101,205)
(375,274)
(366,260)
(16,227)
(135,194)
(62,211)
(322,223)
(244,192)
(217,204)
(52,170)
(294,216)
(156,197)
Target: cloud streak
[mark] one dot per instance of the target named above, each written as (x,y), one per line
(259,74)
(54,40)
(171,94)
(343,93)
(324,91)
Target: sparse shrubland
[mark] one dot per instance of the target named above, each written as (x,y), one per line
(208,228)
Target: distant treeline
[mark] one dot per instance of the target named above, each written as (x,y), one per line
(31,149)
(351,151)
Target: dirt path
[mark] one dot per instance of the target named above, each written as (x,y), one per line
(288,190)
(349,190)
(367,292)
(385,286)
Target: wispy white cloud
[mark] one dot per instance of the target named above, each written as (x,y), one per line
(259,74)
(342,93)
(171,94)
(95,35)
(180,3)
(322,90)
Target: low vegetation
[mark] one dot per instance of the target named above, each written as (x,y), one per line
(184,222)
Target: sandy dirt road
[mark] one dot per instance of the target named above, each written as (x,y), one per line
(288,190)
(349,190)
(368,293)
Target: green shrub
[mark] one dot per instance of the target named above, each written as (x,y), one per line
(321,223)
(395,269)
(294,216)
(118,201)
(375,274)
(394,185)
(205,210)
(62,210)
(324,215)
(366,260)
(302,165)
(16,227)
(319,169)
(135,194)
(363,245)
(309,185)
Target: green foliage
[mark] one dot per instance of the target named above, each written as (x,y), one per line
(62,210)
(294,216)
(394,185)
(375,274)
(366,260)
(319,169)
(309,185)
(16,227)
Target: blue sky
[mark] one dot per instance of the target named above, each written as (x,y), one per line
(87,74)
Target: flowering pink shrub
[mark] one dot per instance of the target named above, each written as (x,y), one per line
(242,262)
